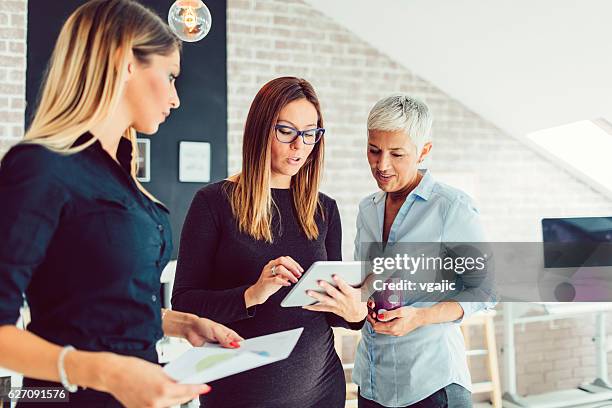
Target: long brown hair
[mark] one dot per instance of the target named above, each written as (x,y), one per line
(250,195)
(85,75)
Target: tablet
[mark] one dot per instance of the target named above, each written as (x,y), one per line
(322,270)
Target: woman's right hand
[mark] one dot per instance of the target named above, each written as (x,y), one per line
(138,383)
(277,273)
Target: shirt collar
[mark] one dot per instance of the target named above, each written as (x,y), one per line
(124,150)
(423,189)
(425,186)
(124,155)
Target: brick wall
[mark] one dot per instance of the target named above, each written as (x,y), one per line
(13,15)
(513,186)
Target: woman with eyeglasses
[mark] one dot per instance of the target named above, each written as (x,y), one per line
(247,239)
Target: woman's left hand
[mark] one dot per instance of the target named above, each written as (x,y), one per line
(202,330)
(345,301)
(397,322)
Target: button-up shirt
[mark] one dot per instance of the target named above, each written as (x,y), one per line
(400,371)
(84,246)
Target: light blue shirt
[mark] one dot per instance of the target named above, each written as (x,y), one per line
(399,371)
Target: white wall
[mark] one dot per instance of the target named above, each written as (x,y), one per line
(13,15)
(524,65)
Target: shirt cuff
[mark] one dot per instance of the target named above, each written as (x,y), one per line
(356,325)
(248,311)
(469,308)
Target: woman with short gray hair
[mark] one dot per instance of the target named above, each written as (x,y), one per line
(412,354)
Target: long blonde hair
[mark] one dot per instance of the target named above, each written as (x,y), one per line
(85,75)
(250,194)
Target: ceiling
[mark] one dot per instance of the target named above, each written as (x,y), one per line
(524,65)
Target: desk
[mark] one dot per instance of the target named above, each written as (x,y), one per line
(599,390)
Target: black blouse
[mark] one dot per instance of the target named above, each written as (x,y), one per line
(217,263)
(85,246)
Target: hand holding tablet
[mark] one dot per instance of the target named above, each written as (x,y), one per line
(350,272)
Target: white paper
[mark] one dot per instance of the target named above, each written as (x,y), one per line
(194,162)
(204,364)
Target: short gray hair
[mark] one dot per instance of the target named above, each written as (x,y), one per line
(402,112)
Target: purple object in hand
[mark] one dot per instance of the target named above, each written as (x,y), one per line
(387,299)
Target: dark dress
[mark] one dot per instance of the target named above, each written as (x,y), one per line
(87,248)
(217,263)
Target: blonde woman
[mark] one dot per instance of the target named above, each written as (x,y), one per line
(246,240)
(81,238)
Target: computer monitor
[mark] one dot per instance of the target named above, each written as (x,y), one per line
(577,242)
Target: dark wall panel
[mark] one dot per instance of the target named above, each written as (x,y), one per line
(202,88)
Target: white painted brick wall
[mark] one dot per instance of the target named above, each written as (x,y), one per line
(13,15)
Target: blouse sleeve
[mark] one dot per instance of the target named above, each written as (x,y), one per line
(192,291)
(463,225)
(333,245)
(30,211)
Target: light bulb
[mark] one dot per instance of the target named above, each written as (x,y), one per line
(189,19)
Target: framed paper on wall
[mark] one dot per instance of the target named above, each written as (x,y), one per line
(144,160)
(194,162)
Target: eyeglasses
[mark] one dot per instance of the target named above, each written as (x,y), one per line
(288,134)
